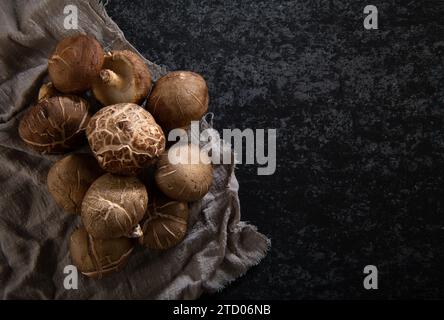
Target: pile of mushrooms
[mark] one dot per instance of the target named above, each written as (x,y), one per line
(107,187)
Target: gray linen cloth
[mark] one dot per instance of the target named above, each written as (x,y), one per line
(34,232)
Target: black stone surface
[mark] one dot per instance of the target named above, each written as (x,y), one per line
(360,133)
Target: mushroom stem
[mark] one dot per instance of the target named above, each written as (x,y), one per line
(111,78)
(136,232)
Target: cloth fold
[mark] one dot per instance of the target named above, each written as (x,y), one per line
(34,232)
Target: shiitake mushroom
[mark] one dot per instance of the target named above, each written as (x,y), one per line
(184,180)
(56,124)
(113,206)
(178,98)
(124,78)
(69,179)
(166,222)
(75,63)
(97,258)
(125,138)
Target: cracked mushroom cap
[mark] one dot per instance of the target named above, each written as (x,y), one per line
(125,138)
(97,258)
(56,124)
(69,179)
(178,98)
(113,206)
(75,63)
(124,78)
(184,179)
(165,224)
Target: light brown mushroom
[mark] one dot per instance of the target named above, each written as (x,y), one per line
(184,179)
(178,98)
(113,206)
(75,63)
(69,179)
(97,258)
(124,78)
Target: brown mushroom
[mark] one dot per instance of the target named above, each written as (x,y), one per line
(124,78)
(178,98)
(69,179)
(184,179)
(47,90)
(55,124)
(165,224)
(97,258)
(75,63)
(125,138)
(113,206)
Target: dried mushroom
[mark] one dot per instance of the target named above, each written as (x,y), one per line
(125,138)
(97,258)
(124,78)
(75,63)
(178,98)
(69,179)
(113,206)
(56,124)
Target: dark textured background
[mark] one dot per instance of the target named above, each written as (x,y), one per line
(360,176)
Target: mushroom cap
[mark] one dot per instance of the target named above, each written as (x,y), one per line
(56,124)
(69,179)
(134,83)
(178,98)
(125,138)
(47,90)
(113,206)
(75,63)
(96,258)
(184,180)
(165,224)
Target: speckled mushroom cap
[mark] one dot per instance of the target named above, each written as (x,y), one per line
(113,206)
(56,124)
(184,180)
(125,138)
(69,179)
(165,224)
(96,258)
